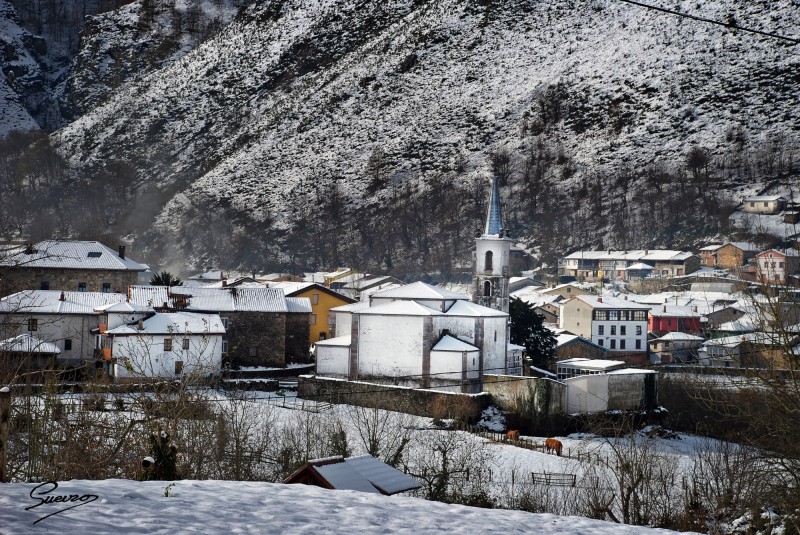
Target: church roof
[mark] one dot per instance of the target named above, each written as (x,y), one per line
(400,308)
(448,343)
(494,218)
(468,308)
(418,290)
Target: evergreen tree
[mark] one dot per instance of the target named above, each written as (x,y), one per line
(528,329)
(165,278)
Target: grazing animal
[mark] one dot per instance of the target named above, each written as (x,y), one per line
(512,435)
(553,445)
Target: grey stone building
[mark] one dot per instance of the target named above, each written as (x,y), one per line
(82,266)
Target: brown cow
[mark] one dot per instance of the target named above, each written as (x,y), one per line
(512,435)
(553,445)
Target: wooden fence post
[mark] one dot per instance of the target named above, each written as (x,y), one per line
(5,416)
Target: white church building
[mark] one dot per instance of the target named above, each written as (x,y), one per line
(424,336)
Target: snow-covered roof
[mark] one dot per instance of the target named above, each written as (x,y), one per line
(757,198)
(678,336)
(514,347)
(631,371)
(298,305)
(449,343)
(673,311)
(174,323)
(399,308)
(25,343)
(640,266)
(381,475)
(49,302)
(711,248)
(468,308)
(641,255)
(289,287)
(339,341)
(56,254)
(609,302)
(591,364)
(212,299)
(340,476)
(123,307)
(352,307)
(419,290)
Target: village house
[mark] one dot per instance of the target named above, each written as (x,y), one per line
(322,300)
(65,319)
(764,204)
(666,318)
(776,267)
(732,255)
(83,266)
(608,265)
(23,355)
(165,346)
(675,347)
(262,326)
(570,346)
(617,324)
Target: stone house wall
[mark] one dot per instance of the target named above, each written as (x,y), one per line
(16,279)
(297,338)
(256,338)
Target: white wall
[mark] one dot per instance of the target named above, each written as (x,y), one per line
(344,323)
(390,345)
(449,364)
(55,328)
(147,358)
(333,360)
(495,344)
(587,393)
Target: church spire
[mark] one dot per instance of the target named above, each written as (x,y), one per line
(494,218)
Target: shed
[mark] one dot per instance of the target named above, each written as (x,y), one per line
(364,474)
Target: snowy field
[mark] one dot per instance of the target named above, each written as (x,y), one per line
(504,470)
(121,506)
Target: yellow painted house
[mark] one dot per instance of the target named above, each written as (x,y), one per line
(322,301)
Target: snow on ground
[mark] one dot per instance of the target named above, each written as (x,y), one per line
(127,507)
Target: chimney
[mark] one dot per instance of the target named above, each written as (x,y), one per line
(626,297)
(599,299)
(28,248)
(122,252)
(224,283)
(140,325)
(61,297)
(646,252)
(665,308)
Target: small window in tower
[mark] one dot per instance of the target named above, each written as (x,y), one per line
(488,263)
(487,289)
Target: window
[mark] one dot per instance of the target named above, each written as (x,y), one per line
(185,344)
(601,315)
(622,330)
(313,320)
(780,264)
(315,299)
(639,315)
(178,367)
(613,315)
(67,344)
(106,287)
(613,344)
(323,336)
(81,286)
(487,289)
(224,346)
(45,285)
(569,289)
(495,336)
(626,315)
(638,344)
(168,344)
(601,330)
(600,341)
(33,324)
(613,330)
(622,344)
(638,330)
(225,323)
(487,264)
(253,351)
(94,254)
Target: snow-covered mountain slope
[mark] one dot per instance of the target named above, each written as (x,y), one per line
(296,93)
(22,80)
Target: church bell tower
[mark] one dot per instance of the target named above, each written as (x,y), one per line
(492,255)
